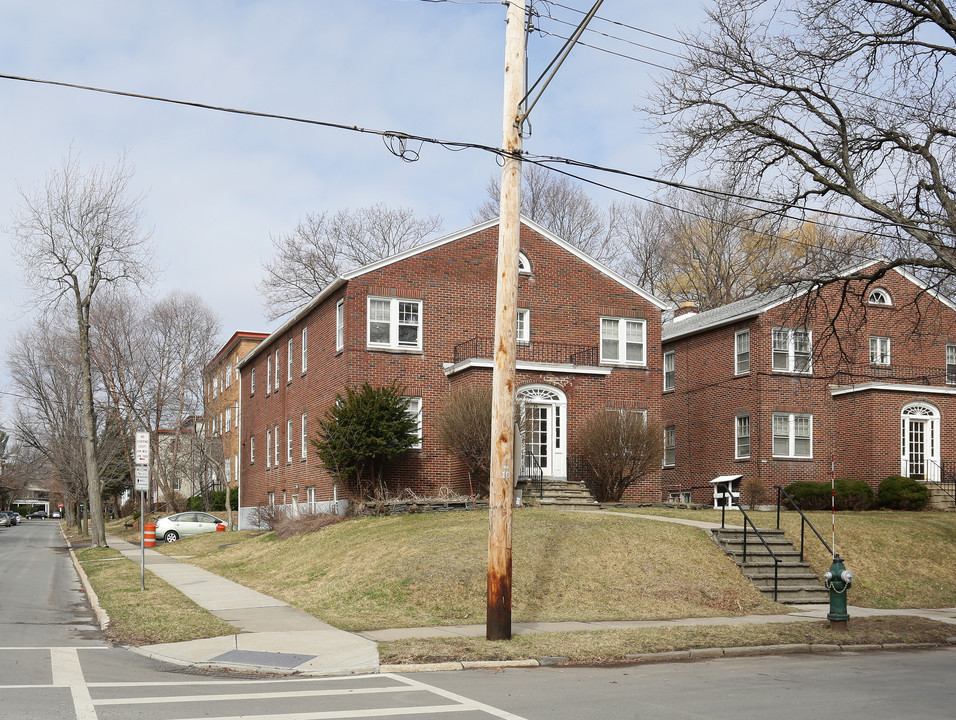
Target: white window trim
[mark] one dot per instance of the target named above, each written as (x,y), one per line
(670,433)
(791,351)
(791,427)
(275,377)
(288,363)
(268,374)
(252,381)
(880,357)
(305,350)
(393,324)
(523,333)
(622,341)
(416,401)
(951,355)
(288,440)
(886,293)
(738,436)
(737,352)
(340,325)
(252,449)
(524,265)
(275,446)
(268,448)
(670,373)
(271,498)
(305,436)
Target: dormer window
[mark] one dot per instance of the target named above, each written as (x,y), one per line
(879,296)
(524,265)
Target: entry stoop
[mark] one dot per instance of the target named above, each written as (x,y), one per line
(565,494)
(796,583)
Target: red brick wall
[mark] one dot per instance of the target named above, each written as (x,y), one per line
(861,430)
(456,282)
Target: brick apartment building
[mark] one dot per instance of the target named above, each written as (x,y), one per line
(223,402)
(777,385)
(588,339)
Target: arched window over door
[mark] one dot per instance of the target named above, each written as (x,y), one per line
(544,429)
(919,439)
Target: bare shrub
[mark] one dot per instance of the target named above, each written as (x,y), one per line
(753,492)
(268,516)
(290,526)
(621,448)
(464,427)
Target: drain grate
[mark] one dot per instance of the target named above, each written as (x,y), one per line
(267,659)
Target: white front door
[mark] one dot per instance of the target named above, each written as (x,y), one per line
(544,412)
(920,442)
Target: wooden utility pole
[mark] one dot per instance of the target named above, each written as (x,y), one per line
(498,626)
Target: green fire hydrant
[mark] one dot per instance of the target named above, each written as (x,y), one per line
(838,580)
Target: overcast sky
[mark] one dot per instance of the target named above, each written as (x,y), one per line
(218,185)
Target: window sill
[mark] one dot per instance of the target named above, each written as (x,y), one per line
(668,391)
(397,351)
(629,366)
(792,373)
(787,458)
(742,459)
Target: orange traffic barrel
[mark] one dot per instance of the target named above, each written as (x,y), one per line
(149,535)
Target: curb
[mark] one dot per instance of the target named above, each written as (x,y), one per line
(661,657)
(101,615)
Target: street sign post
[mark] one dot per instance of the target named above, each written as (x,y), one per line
(141,455)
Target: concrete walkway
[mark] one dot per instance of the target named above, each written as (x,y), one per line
(275,637)
(272,635)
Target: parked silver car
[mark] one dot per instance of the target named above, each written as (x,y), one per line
(173,527)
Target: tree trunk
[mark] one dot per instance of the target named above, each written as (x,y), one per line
(94,501)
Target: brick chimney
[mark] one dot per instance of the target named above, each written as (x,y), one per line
(686,309)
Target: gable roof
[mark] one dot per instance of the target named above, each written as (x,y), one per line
(438,242)
(762,302)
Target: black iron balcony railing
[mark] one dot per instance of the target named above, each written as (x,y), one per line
(906,374)
(552,353)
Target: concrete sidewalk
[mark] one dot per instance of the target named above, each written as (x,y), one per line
(271,636)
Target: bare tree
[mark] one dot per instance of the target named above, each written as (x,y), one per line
(151,358)
(324,245)
(75,235)
(845,105)
(559,204)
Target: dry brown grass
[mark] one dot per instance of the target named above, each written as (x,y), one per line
(611,646)
(431,569)
(158,614)
(900,559)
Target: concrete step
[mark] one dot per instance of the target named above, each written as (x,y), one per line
(800,596)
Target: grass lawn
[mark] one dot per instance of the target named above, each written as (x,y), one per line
(900,559)
(611,646)
(431,569)
(159,614)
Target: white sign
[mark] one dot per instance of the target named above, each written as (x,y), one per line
(142,478)
(142,448)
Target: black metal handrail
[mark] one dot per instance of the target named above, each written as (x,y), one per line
(747,520)
(531,469)
(803,522)
(551,353)
(947,478)
(866,372)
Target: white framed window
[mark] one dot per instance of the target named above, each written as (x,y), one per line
(524,326)
(275,376)
(670,446)
(252,449)
(271,498)
(680,496)
(268,374)
(252,381)
(305,436)
(394,323)
(792,435)
(741,352)
(951,363)
(235,415)
(288,441)
(305,350)
(879,350)
(623,340)
(791,350)
(339,325)
(215,385)
(415,412)
(880,296)
(227,378)
(742,437)
(268,448)
(310,494)
(524,265)
(288,362)
(227,426)
(669,370)
(275,446)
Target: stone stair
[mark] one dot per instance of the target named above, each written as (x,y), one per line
(796,583)
(559,493)
(940,498)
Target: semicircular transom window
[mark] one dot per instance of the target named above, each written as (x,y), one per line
(879,296)
(524,265)
(539,394)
